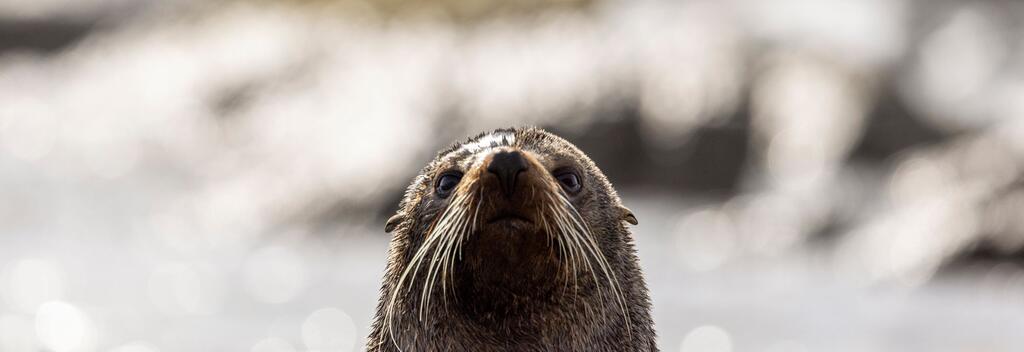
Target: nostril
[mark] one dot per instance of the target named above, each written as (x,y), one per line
(507,165)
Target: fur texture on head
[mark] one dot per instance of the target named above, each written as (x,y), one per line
(512,241)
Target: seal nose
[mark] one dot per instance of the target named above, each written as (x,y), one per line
(507,165)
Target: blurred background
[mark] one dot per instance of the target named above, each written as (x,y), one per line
(829,175)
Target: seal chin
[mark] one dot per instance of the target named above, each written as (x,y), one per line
(508,257)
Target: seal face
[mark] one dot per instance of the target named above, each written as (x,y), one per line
(512,241)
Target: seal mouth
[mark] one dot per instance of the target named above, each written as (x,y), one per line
(508,218)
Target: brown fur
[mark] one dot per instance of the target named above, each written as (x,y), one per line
(513,288)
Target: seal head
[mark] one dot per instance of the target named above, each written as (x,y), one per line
(512,240)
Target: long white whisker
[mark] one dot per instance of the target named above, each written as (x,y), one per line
(561,249)
(413,267)
(574,236)
(575,247)
(447,249)
(610,274)
(462,238)
(435,263)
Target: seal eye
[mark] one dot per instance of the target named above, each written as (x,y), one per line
(446,184)
(569,181)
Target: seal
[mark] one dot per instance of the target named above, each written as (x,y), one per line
(512,240)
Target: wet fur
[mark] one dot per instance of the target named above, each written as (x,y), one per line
(500,302)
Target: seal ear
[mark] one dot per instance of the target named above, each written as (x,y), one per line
(627,215)
(393,221)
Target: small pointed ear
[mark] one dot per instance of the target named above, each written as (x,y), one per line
(627,215)
(393,221)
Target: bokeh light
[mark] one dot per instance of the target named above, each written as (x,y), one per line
(707,338)
(62,327)
(707,239)
(274,274)
(177,288)
(329,330)
(31,282)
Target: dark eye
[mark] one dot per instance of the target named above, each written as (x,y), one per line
(569,181)
(446,184)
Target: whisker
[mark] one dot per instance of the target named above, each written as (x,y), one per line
(610,274)
(436,259)
(474,223)
(574,238)
(447,250)
(414,265)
